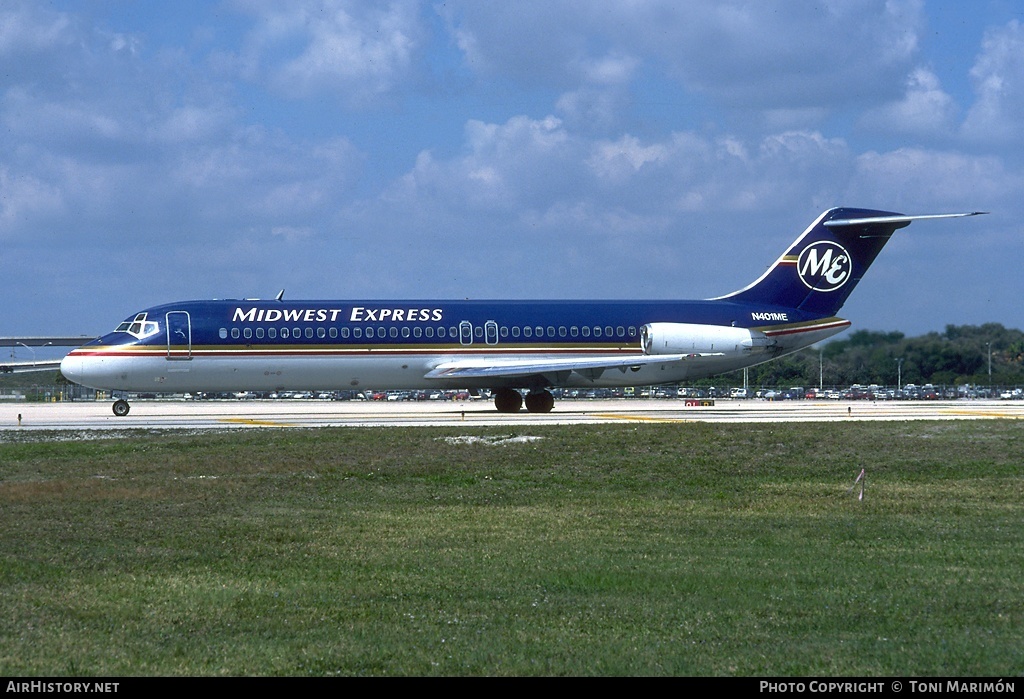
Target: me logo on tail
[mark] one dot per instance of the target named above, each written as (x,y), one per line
(824,266)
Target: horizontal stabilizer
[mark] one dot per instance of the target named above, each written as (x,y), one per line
(895,219)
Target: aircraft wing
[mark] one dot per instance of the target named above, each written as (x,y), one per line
(589,367)
(25,367)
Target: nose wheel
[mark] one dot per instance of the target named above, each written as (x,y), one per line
(121,408)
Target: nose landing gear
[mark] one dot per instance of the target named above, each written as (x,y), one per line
(121,407)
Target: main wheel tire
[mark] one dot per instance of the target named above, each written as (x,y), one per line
(121,408)
(508,400)
(540,402)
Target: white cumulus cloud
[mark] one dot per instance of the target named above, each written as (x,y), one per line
(998,77)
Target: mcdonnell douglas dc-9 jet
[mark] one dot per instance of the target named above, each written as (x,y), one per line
(509,347)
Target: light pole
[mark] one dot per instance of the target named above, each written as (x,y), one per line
(30,350)
(821,369)
(989,346)
(899,374)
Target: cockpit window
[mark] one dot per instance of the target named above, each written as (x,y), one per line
(139,327)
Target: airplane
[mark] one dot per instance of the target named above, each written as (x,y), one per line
(506,346)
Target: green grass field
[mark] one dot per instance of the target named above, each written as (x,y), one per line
(693,549)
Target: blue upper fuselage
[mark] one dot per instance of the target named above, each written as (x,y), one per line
(510,323)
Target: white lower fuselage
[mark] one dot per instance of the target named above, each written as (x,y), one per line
(139,368)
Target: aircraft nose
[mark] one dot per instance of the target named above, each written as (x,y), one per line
(71,368)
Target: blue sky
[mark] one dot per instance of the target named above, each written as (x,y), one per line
(153,151)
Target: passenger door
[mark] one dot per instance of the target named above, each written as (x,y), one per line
(179,335)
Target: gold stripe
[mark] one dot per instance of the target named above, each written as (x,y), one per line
(805,324)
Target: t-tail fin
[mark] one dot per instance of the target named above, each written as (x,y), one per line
(820,270)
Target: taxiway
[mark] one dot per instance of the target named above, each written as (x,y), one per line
(159,414)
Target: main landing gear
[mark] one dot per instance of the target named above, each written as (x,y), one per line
(508,400)
(121,407)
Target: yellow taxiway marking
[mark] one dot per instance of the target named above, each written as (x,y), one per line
(258,423)
(984,413)
(640,418)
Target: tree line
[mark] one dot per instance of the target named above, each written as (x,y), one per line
(984,355)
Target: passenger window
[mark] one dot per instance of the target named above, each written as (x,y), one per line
(247,333)
(223,333)
(259,333)
(234,333)
(272,333)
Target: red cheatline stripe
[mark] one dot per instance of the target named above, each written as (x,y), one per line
(336,352)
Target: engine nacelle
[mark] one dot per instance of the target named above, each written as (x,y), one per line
(691,338)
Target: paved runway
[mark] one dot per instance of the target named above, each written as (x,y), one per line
(155,414)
